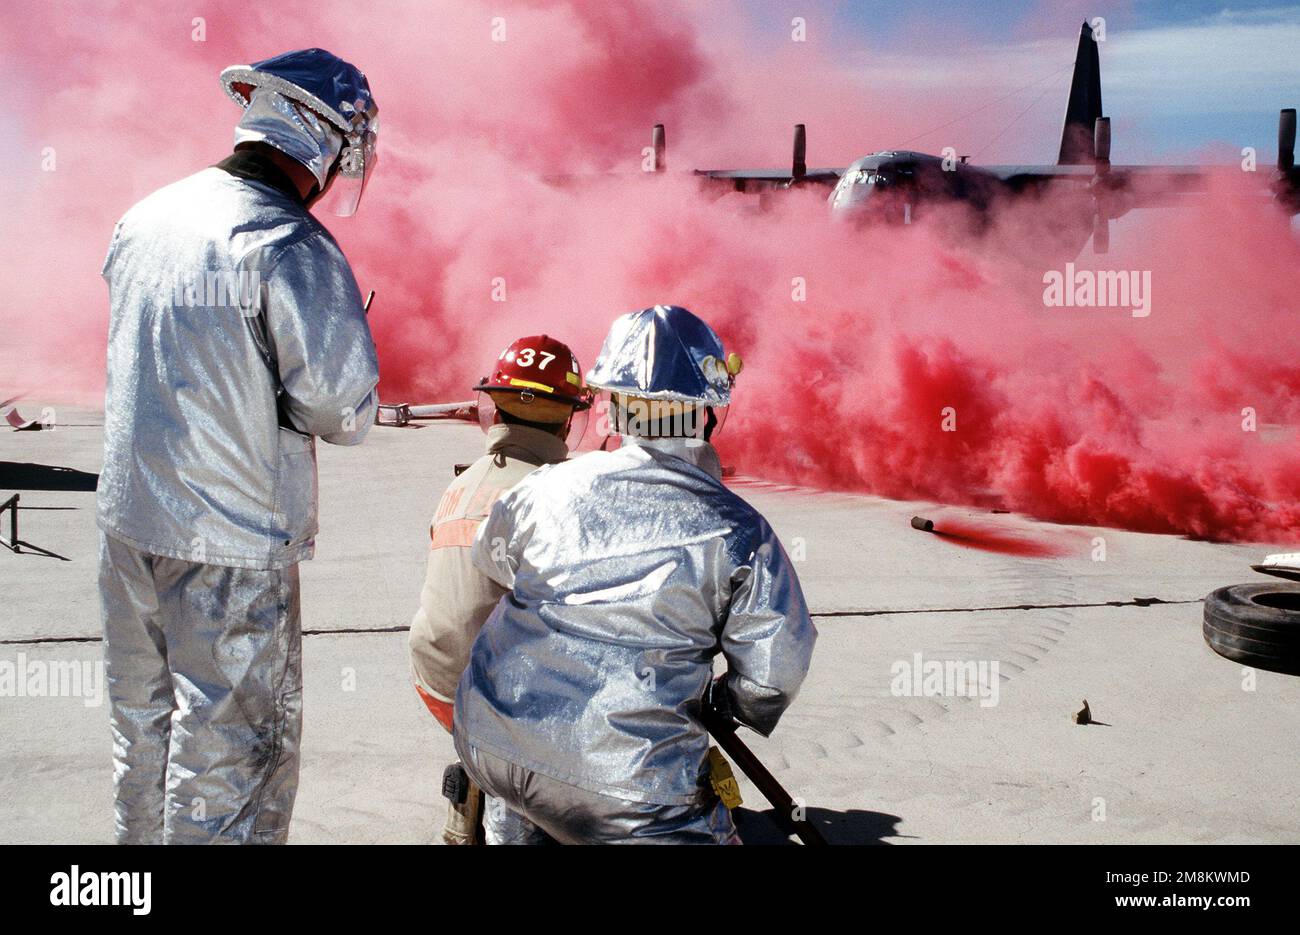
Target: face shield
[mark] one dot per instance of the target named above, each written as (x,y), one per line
(347,183)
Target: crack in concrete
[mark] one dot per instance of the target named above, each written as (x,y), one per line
(1132,602)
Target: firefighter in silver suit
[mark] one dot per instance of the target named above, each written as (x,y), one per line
(237,337)
(629,572)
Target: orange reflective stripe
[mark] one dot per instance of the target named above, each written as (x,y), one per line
(441,710)
(453,533)
(447,505)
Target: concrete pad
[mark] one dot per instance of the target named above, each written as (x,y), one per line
(1192,749)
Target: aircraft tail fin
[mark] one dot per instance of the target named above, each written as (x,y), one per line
(1084,106)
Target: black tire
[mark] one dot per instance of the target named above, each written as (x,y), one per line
(1257,625)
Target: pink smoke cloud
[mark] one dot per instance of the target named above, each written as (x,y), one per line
(1072,415)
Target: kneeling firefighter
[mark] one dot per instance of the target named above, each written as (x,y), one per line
(629,572)
(532,404)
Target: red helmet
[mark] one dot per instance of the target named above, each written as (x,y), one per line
(539,367)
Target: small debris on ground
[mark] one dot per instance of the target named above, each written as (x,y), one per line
(1084,716)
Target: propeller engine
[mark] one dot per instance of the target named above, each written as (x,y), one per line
(659,147)
(1286,140)
(1287,187)
(799,164)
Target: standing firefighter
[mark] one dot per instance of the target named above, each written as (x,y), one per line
(237,336)
(532,403)
(629,572)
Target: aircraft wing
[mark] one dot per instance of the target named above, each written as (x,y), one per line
(1145,186)
(1172,175)
(774,177)
(798,172)
(741,180)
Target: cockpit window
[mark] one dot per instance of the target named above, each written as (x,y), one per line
(859,184)
(870,177)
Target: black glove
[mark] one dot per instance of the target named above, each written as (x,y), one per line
(718,712)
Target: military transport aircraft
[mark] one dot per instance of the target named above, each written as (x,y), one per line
(894,185)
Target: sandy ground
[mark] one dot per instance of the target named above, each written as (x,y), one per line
(1190,748)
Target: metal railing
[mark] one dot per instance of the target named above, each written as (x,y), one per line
(11,541)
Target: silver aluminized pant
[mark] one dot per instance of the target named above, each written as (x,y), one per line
(204,670)
(569,815)
(502,825)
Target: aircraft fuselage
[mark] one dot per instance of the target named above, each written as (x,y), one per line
(893,185)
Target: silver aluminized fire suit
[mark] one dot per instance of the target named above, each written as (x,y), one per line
(236,335)
(630,570)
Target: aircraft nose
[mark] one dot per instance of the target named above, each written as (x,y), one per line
(853,201)
(851,198)
(870,203)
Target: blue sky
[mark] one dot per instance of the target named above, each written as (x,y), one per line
(1182,81)
(893,19)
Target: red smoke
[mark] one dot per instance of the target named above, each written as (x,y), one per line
(1067,414)
(988,537)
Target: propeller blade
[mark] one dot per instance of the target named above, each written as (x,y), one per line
(660,148)
(799,165)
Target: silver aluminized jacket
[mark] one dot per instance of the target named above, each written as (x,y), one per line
(237,333)
(630,571)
